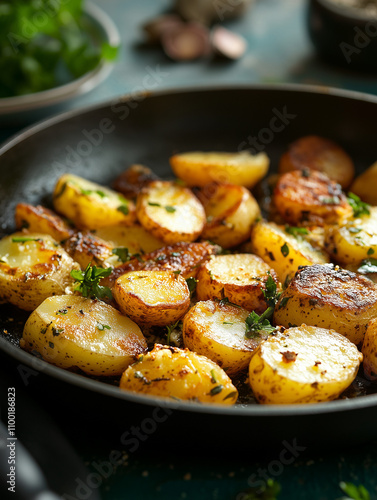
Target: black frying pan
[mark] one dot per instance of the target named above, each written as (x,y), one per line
(98,143)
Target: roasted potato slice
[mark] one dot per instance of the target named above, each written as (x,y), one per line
(305,364)
(218,331)
(319,154)
(131,181)
(284,252)
(365,185)
(71,331)
(231,212)
(32,267)
(241,278)
(86,248)
(354,240)
(200,168)
(369,351)
(310,197)
(176,373)
(136,239)
(153,298)
(329,297)
(91,205)
(183,257)
(42,220)
(170,212)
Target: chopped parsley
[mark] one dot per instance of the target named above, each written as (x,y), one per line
(216,390)
(370,251)
(123,209)
(285,250)
(170,329)
(168,208)
(24,239)
(270,291)
(213,377)
(296,231)
(359,207)
(101,327)
(88,192)
(88,282)
(122,253)
(191,283)
(256,324)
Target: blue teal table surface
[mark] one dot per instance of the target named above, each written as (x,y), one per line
(278,51)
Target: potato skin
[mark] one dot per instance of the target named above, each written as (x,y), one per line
(91,205)
(231,212)
(153,298)
(179,373)
(369,351)
(239,277)
(135,238)
(217,331)
(354,240)
(303,365)
(86,248)
(184,257)
(199,168)
(170,212)
(71,331)
(319,154)
(329,297)
(365,185)
(310,197)
(42,220)
(133,179)
(33,270)
(282,251)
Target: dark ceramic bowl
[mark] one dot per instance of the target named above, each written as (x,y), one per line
(342,35)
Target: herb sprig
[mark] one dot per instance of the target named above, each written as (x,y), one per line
(88,282)
(359,207)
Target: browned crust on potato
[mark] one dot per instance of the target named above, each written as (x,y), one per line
(310,197)
(133,179)
(318,153)
(27,217)
(85,248)
(185,257)
(330,285)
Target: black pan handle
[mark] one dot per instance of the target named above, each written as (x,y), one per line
(30,483)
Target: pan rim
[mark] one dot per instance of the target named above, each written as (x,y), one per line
(192,407)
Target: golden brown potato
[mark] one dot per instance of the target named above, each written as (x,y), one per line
(133,179)
(310,197)
(354,240)
(217,331)
(239,277)
(153,298)
(200,168)
(135,238)
(170,212)
(303,365)
(231,212)
(32,267)
(180,374)
(91,205)
(328,297)
(365,184)
(86,248)
(41,220)
(71,331)
(319,154)
(284,252)
(184,257)
(369,350)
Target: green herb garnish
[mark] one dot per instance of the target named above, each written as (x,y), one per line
(123,209)
(122,253)
(101,327)
(24,239)
(170,209)
(88,282)
(359,207)
(191,283)
(213,377)
(256,324)
(296,231)
(370,251)
(285,250)
(270,291)
(170,329)
(216,390)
